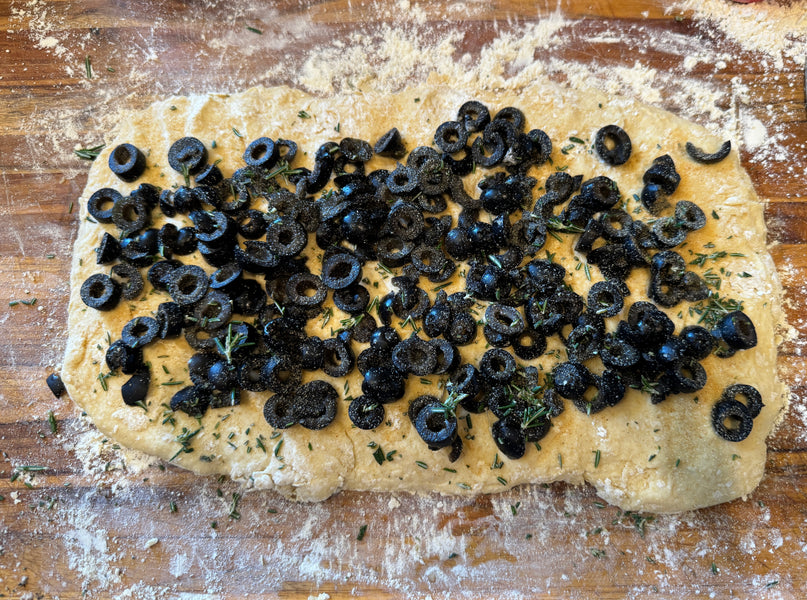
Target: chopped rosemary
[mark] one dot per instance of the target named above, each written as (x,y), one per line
(88,67)
(362,532)
(234,514)
(596,458)
(254,30)
(303,115)
(87,154)
(54,426)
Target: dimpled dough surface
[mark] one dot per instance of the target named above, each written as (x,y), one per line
(663,457)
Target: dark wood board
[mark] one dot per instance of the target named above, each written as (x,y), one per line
(83,526)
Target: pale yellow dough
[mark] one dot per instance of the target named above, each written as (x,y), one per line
(661,458)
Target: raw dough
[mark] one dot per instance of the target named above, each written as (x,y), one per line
(661,458)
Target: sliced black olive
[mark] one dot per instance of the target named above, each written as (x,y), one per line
(315,404)
(338,359)
(390,144)
(613,145)
(437,427)
(140,331)
(340,270)
(55,384)
(571,380)
(131,213)
(100,292)
(127,162)
(689,215)
(669,232)
(101,203)
(529,344)
(686,375)
(213,311)
(737,330)
(261,153)
(210,176)
(663,174)
(136,388)
(451,137)
(286,237)
(366,412)
(753,399)
(306,289)
(509,438)
(414,355)
(599,193)
(700,156)
(462,329)
(512,115)
(497,366)
(384,383)
(403,181)
(187,155)
(697,341)
(605,299)
(353,299)
(474,116)
(193,400)
(120,356)
(188,284)
(447,356)
(617,353)
(279,411)
(731,420)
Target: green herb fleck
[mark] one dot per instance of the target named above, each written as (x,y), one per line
(237,133)
(378,455)
(254,30)
(87,154)
(303,115)
(596,458)
(362,532)
(421,464)
(54,426)
(88,67)
(234,514)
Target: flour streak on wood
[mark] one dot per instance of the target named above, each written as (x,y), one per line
(82,525)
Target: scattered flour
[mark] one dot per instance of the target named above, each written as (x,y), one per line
(776,29)
(447,546)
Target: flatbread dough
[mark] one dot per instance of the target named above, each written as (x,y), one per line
(639,456)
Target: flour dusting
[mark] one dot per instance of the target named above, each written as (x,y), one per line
(448,546)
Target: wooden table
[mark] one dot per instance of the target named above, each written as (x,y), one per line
(88,525)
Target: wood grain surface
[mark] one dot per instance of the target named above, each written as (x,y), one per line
(99,522)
